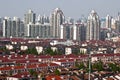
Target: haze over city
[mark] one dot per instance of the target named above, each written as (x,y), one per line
(71,8)
(59,40)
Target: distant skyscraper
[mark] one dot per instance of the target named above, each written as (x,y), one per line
(70,20)
(38,30)
(117,25)
(108,21)
(80,31)
(93,26)
(103,33)
(113,23)
(43,19)
(103,23)
(76,31)
(1,26)
(66,31)
(29,17)
(7,24)
(56,19)
(13,28)
(16,32)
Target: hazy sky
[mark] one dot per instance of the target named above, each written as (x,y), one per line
(71,8)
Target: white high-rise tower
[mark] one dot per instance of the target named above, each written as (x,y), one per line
(93,26)
(56,19)
(108,21)
(29,17)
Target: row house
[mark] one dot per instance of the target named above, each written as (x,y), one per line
(106,57)
(65,62)
(26,68)
(21,76)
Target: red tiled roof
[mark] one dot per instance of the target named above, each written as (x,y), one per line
(43,65)
(18,67)
(53,64)
(72,56)
(53,76)
(31,66)
(44,56)
(58,56)
(5,68)
(66,60)
(22,75)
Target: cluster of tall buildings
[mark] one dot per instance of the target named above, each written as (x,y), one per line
(58,27)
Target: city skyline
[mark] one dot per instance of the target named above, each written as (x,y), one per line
(74,9)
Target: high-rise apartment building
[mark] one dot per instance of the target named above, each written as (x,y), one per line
(13,28)
(43,19)
(1,26)
(29,17)
(80,31)
(102,23)
(93,26)
(56,19)
(108,21)
(7,24)
(116,23)
(38,30)
(76,31)
(66,31)
(17,27)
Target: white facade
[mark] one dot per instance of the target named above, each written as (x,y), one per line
(61,32)
(10,47)
(93,26)
(7,24)
(83,50)
(23,47)
(56,19)
(108,21)
(68,51)
(12,78)
(74,32)
(67,31)
(38,30)
(29,17)
(54,48)
(39,49)
(12,27)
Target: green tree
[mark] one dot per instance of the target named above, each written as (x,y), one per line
(5,50)
(31,51)
(11,72)
(80,65)
(33,73)
(113,67)
(75,51)
(49,51)
(98,66)
(57,72)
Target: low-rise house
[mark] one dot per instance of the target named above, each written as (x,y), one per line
(65,62)
(39,49)
(68,50)
(22,76)
(26,68)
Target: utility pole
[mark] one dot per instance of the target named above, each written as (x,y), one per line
(89,59)
(89,66)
